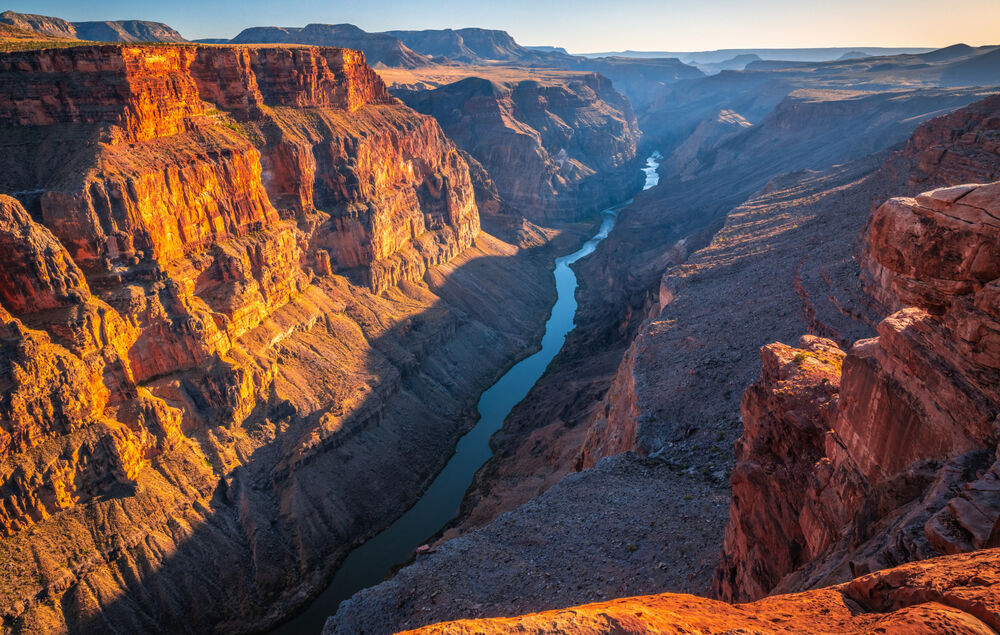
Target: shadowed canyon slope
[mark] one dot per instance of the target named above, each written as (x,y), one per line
(245,294)
(623,284)
(556,150)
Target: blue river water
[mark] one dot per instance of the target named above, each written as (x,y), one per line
(372,561)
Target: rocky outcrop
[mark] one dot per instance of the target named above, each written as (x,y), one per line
(884,457)
(557,150)
(38,274)
(228,327)
(957,594)
(959,148)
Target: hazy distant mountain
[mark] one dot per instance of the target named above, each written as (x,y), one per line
(473,46)
(42,24)
(379,48)
(677,112)
(735,63)
(981,70)
(548,49)
(799,54)
(948,53)
(853,55)
(126,31)
(109,31)
(639,79)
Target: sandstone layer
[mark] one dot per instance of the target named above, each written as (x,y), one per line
(237,332)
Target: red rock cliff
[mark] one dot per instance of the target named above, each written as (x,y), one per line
(852,462)
(192,336)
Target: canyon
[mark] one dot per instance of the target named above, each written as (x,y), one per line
(267,305)
(654,367)
(855,461)
(244,290)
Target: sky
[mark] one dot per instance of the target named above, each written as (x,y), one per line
(583,26)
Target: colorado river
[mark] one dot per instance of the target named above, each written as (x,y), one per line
(369,564)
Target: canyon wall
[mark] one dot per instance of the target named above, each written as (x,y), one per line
(556,149)
(235,335)
(853,461)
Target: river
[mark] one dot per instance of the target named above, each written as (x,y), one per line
(372,561)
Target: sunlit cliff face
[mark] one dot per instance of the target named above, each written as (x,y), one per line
(192,211)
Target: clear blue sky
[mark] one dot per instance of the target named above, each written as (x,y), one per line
(587,25)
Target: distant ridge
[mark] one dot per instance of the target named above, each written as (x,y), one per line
(792,54)
(379,48)
(474,45)
(109,31)
(853,55)
(948,53)
(548,49)
(639,79)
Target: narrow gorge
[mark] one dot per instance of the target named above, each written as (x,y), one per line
(375,559)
